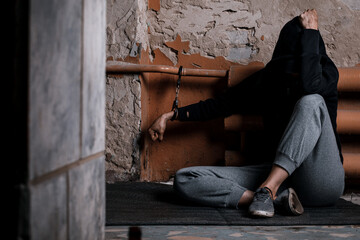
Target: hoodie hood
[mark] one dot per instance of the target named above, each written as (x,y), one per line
(288,44)
(288,47)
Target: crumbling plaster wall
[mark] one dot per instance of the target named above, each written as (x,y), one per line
(242,31)
(247,30)
(126,34)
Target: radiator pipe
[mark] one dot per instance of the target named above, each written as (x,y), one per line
(136,68)
(349,79)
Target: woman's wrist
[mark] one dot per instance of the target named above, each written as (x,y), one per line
(168,116)
(175,115)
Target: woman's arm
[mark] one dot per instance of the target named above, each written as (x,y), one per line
(318,73)
(245,97)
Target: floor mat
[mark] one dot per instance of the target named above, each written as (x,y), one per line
(139,203)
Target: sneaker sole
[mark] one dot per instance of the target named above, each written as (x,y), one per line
(294,203)
(260,213)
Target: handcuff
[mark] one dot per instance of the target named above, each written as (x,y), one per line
(175,106)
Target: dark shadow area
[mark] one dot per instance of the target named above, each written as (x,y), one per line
(17,138)
(142,203)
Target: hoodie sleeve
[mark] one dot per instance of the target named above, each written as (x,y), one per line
(244,97)
(318,73)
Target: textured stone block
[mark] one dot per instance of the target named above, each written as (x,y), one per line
(238,37)
(87,200)
(123,119)
(93,132)
(121,25)
(352,4)
(239,53)
(48,209)
(55,63)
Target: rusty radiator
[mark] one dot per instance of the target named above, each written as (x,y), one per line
(348,120)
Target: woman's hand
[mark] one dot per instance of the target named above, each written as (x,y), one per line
(158,127)
(309,19)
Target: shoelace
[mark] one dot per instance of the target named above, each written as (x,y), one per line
(262,196)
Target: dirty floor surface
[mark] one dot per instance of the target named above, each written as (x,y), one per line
(208,232)
(238,232)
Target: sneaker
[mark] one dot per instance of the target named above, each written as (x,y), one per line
(288,203)
(262,204)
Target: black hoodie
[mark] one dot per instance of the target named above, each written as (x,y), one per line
(299,66)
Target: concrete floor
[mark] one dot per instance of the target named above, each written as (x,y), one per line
(238,232)
(208,232)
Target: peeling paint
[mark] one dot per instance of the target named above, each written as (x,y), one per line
(178,45)
(154,5)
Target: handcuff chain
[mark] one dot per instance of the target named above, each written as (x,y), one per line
(176,102)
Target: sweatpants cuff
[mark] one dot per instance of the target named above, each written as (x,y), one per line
(234,197)
(285,162)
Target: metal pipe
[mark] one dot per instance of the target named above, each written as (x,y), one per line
(349,79)
(352,165)
(137,68)
(348,121)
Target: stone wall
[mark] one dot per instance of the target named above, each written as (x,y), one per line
(241,31)
(247,30)
(126,35)
(122,128)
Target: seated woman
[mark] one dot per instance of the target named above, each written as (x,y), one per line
(296,93)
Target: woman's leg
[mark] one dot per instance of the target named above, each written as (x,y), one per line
(308,152)
(220,186)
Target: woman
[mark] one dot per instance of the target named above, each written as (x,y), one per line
(296,93)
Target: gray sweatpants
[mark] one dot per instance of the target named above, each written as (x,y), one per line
(307,151)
